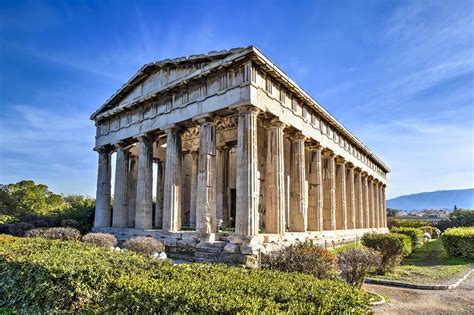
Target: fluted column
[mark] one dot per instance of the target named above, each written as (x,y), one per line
(194,176)
(247,166)
(351,204)
(366,199)
(381,207)
(384,207)
(160,186)
(172,189)
(132,190)
(102,205)
(341,209)
(315,194)
(143,212)
(223,184)
(376,204)
(330,192)
(359,201)
(299,205)
(275,180)
(120,212)
(206,181)
(371,202)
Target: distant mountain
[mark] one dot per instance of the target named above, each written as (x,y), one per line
(463,198)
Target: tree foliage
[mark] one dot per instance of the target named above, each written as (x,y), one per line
(457,218)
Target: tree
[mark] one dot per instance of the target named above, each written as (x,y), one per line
(26,198)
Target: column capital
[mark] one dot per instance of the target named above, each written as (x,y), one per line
(145,138)
(350,165)
(297,135)
(274,123)
(172,128)
(104,149)
(246,108)
(341,160)
(327,153)
(205,118)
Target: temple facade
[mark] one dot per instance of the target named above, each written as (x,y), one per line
(223,155)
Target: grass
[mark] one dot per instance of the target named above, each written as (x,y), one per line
(429,264)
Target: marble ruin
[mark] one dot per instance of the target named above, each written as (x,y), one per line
(224,157)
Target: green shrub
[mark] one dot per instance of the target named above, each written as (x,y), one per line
(55,233)
(16,228)
(415,235)
(356,263)
(391,246)
(457,218)
(412,223)
(74,277)
(459,242)
(346,247)
(302,257)
(100,239)
(6,218)
(144,245)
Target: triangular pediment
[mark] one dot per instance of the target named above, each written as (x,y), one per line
(156,76)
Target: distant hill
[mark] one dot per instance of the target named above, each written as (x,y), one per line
(463,198)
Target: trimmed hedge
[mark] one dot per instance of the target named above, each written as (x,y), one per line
(412,223)
(391,246)
(459,242)
(50,276)
(415,235)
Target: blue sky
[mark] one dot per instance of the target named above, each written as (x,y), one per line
(399,74)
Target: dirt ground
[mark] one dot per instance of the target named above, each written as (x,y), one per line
(411,301)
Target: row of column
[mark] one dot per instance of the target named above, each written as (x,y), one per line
(334,195)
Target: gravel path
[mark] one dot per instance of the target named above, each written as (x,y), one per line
(412,301)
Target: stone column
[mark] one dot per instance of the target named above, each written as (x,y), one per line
(371,202)
(143,212)
(194,176)
(206,180)
(160,185)
(247,166)
(132,190)
(275,180)
(384,207)
(351,207)
(120,212)
(376,203)
(315,195)
(341,215)
(360,201)
(330,186)
(381,207)
(366,199)
(172,189)
(223,184)
(298,211)
(102,205)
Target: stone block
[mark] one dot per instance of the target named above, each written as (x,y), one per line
(231,248)
(251,249)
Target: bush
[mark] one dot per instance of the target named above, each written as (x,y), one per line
(415,235)
(457,218)
(356,263)
(100,239)
(16,229)
(144,245)
(302,257)
(6,218)
(392,248)
(459,242)
(74,277)
(412,223)
(55,233)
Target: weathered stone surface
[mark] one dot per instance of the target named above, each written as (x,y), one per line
(102,206)
(120,213)
(144,202)
(274,183)
(231,248)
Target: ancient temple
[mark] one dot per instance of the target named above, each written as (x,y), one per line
(245,160)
